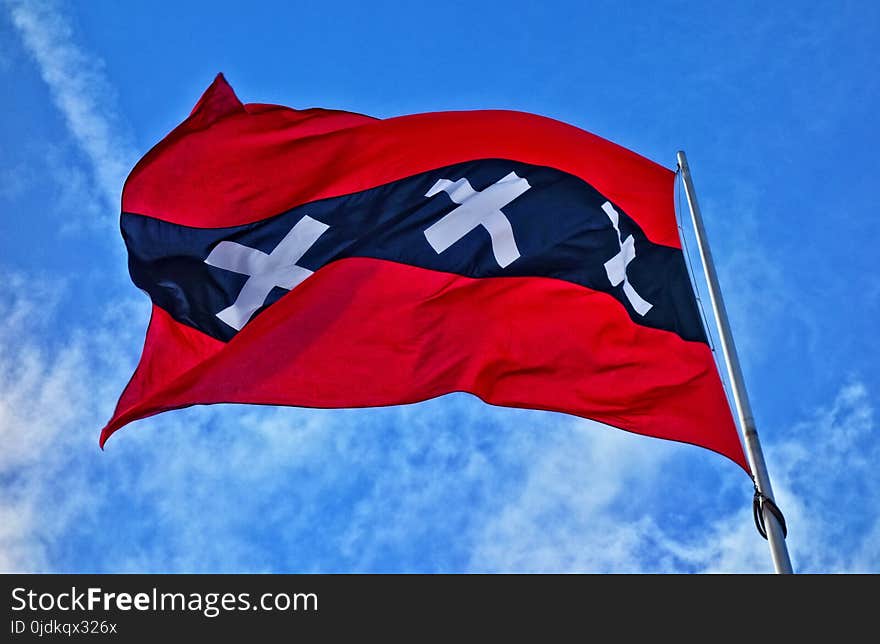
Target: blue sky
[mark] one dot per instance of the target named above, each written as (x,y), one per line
(776,106)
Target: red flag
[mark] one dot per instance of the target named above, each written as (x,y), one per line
(327,259)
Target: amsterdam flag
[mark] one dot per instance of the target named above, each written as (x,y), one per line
(320,258)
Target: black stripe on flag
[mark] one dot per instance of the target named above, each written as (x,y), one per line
(499,219)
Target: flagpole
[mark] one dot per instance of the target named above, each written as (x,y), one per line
(773,526)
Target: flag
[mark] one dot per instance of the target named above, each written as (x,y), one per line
(320,258)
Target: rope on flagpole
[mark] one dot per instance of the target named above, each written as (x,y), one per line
(762,502)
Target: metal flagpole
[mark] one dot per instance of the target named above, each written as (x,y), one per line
(771,522)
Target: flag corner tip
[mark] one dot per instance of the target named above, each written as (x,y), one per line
(218,100)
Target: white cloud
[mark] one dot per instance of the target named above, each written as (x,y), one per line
(79,87)
(826,469)
(203,489)
(825,477)
(563,519)
(448,485)
(46,393)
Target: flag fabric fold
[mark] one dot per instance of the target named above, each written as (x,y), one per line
(321,258)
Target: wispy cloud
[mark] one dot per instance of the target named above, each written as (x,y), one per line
(826,466)
(249,488)
(570,514)
(825,478)
(233,488)
(46,396)
(80,89)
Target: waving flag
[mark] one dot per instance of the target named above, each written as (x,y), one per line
(327,259)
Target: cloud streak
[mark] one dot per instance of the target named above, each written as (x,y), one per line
(79,87)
